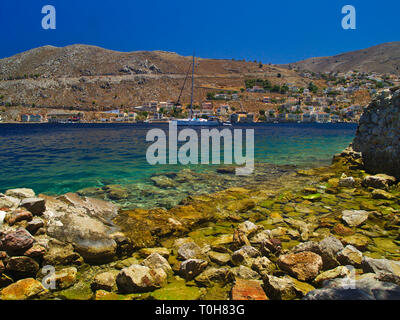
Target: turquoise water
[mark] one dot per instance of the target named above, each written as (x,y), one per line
(59,158)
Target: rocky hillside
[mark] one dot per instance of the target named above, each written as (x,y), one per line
(92,78)
(384,58)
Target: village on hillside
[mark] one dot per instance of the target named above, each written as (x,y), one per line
(340,98)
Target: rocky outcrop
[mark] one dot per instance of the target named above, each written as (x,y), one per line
(377,136)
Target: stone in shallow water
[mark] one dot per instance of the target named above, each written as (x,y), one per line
(304,265)
(63,278)
(190,268)
(329,248)
(248,290)
(177,290)
(245,256)
(263,266)
(80,291)
(155,261)
(162,251)
(243,273)
(279,288)
(338,272)
(22,290)
(137,278)
(382,194)
(105,281)
(211,275)
(189,250)
(357,240)
(342,230)
(350,256)
(219,258)
(379,181)
(354,218)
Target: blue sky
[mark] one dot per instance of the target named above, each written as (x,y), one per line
(279,31)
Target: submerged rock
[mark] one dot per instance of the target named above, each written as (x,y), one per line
(354,218)
(279,288)
(106,281)
(248,290)
(211,275)
(243,273)
(63,278)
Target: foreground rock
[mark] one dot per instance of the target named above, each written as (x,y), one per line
(304,266)
(137,278)
(16,242)
(354,217)
(85,223)
(248,290)
(23,289)
(192,267)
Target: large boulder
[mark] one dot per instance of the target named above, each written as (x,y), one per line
(137,278)
(377,136)
(304,266)
(379,181)
(85,223)
(389,270)
(22,267)
(16,242)
(20,193)
(35,205)
(22,290)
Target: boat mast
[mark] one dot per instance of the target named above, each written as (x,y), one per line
(191,96)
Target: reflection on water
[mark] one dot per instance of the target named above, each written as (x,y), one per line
(59,158)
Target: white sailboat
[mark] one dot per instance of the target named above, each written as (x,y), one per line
(191,121)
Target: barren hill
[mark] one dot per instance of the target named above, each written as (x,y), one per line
(383,58)
(92,78)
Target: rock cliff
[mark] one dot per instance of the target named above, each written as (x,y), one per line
(378,134)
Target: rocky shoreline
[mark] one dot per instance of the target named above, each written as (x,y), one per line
(324,233)
(307,239)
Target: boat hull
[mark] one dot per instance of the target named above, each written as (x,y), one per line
(193,123)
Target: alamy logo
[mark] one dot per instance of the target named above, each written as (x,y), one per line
(349,20)
(49,20)
(188,153)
